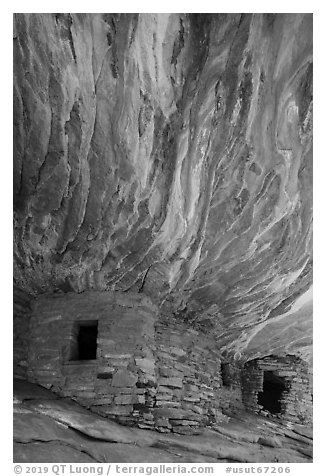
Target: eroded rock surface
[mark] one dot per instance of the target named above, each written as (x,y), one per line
(170,155)
(51,430)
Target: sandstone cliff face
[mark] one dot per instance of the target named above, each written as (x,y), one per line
(170,155)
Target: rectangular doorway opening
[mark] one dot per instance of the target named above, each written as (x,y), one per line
(225,374)
(271,396)
(84,343)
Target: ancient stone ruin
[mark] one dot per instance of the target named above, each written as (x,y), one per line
(116,355)
(163,216)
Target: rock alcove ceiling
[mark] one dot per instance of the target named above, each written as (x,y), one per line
(170,155)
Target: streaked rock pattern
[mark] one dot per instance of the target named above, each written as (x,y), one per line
(170,155)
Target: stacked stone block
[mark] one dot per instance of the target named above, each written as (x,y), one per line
(152,371)
(189,381)
(296,400)
(148,371)
(252,383)
(118,382)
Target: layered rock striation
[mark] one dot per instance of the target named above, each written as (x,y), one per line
(170,155)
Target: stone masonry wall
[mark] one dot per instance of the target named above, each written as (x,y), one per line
(117,383)
(189,380)
(148,371)
(252,384)
(296,400)
(152,371)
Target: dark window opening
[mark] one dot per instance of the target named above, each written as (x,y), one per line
(84,344)
(225,375)
(271,396)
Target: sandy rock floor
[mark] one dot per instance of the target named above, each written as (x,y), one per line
(50,429)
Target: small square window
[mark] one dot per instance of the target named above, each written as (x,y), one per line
(84,344)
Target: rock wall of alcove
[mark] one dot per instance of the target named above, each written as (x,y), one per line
(169,154)
(22,311)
